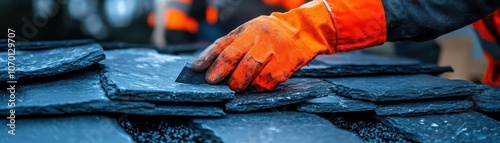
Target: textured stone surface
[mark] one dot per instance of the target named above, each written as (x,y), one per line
(366,127)
(81,92)
(161,129)
(35,45)
(359,63)
(424,107)
(489,100)
(73,129)
(276,127)
(143,74)
(294,90)
(41,63)
(334,103)
(456,128)
(402,87)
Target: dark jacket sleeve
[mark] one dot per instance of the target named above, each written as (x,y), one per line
(421,20)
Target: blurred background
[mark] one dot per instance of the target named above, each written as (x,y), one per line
(172,22)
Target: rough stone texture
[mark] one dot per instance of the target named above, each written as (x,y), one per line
(361,58)
(424,107)
(276,127)
(366,127)
(294,90)
(402,87)
(456,128)
(81,92)
(353,70)
(35,45)
(41,63)
(143,74)
(334,103)
(489,100)
(73,129)
(161,129)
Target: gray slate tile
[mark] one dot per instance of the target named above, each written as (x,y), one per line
(143,74)
(334,103)
(294,90)
(37,45)
(41,63)
(489,100)
(276,127)
(402,87)
(413,108)
(359,63)
(456,128)
(81,92)
(73,129)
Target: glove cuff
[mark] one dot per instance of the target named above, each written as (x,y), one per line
(359,23)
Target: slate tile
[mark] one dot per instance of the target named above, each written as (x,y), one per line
(36,45)
(41,63)
(366,127)
(143,74)
(334,103)
(359,63)
(81,92)
(402,87)
(71,129)
(161,129)
(276,127)
(456,128)
(294,90)
(413,108)
(489,100)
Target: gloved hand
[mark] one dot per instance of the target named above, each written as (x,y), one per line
(267,50)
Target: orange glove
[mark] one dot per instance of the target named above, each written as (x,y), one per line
(267,50)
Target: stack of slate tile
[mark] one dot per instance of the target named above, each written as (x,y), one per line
(73,90)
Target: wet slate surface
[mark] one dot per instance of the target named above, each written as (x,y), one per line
(41,63)
(73,129)
(402,87)
(459,127)
(354,70)
(366,127)
(81,92)
(143,74)
(276,127)
(334,103)
(36,45)
(489,100)
(413,108)
(162,129)
(294,90)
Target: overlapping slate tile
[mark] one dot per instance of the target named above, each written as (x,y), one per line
(413,108)
(164,129)
(36,45)
(359,63)
(457,128)
(294,90)
(334,103)
(41,63)
(72,129)
(276,127)
(402,87)
(81,92)
(143,74)
(489,100)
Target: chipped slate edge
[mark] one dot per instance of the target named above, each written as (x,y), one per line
(115,93)
(329,108)
(356,93)
(382,110)
(252,105)
(350,70)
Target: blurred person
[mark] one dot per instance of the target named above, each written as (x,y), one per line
(267,50)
